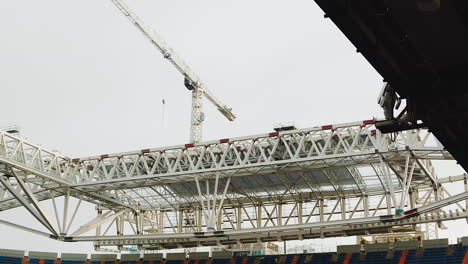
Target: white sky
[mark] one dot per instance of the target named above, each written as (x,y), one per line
(77,77)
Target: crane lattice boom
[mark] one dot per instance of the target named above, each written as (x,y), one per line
(192,81)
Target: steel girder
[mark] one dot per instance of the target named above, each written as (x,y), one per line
(340,172)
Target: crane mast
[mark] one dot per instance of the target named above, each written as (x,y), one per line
(191,81)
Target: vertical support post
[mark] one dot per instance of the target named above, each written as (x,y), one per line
(122,224)
(279,211)
(200,197)
(199,219)
(389,202)
(161,221)
(239,217)
(209,223)
(321,210)
(142,218)
(214,195)
(221,203)
(411,195)
(389,183)
(365,203)
(343,208)
(259,215)
(137,222)
(117,226)
(408,176)
(465,181)
(139,216)
(57,216)
(180,221)
(65,209)
(98,228)
(219,220)
(299,212)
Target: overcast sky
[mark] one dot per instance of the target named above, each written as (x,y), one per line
(77,77)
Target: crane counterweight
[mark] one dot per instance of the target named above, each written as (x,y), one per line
(189,85)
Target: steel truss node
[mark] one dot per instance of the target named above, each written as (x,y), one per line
(324,181)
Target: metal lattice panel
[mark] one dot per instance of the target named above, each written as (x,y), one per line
(313,176)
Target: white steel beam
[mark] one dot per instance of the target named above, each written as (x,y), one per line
(276,232)
(99,220)
(27,229)
(266,152)
(280,179)
(34,209)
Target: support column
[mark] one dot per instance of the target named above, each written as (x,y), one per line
(65,211)
(365,202)
(180,221)
(161,221)
(299,212)
(389,202)
(389,183)
(280,213)
(219,221)
(321,210)
(412,199)
(122,224)
(465,181)
(117,226)
(141,221)
(199,212)
(343,208)
(98,228)
(239,217)
(259,215)
(408,177)
(213,209)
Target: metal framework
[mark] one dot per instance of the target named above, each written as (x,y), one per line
(334,180)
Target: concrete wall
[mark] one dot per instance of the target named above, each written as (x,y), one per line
(11,253)
(153,256)
(70,256)
(376,247)
(175,256)
(42,255)
(104,257)
(400,245)
(130,257)
(406,245)
(222,254)
(435,243)
(199,255)
(348,249)
(464,241)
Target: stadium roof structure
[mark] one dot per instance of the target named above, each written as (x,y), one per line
(421,49)
(334,180)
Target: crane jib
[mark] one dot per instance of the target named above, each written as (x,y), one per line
(191,81)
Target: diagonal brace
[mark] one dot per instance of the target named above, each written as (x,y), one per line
(99,220)
(36,211)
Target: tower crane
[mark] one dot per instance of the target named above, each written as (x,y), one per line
(192,82)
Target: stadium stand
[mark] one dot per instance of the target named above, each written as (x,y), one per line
(404,252)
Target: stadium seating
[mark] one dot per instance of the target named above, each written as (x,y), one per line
(432,255)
